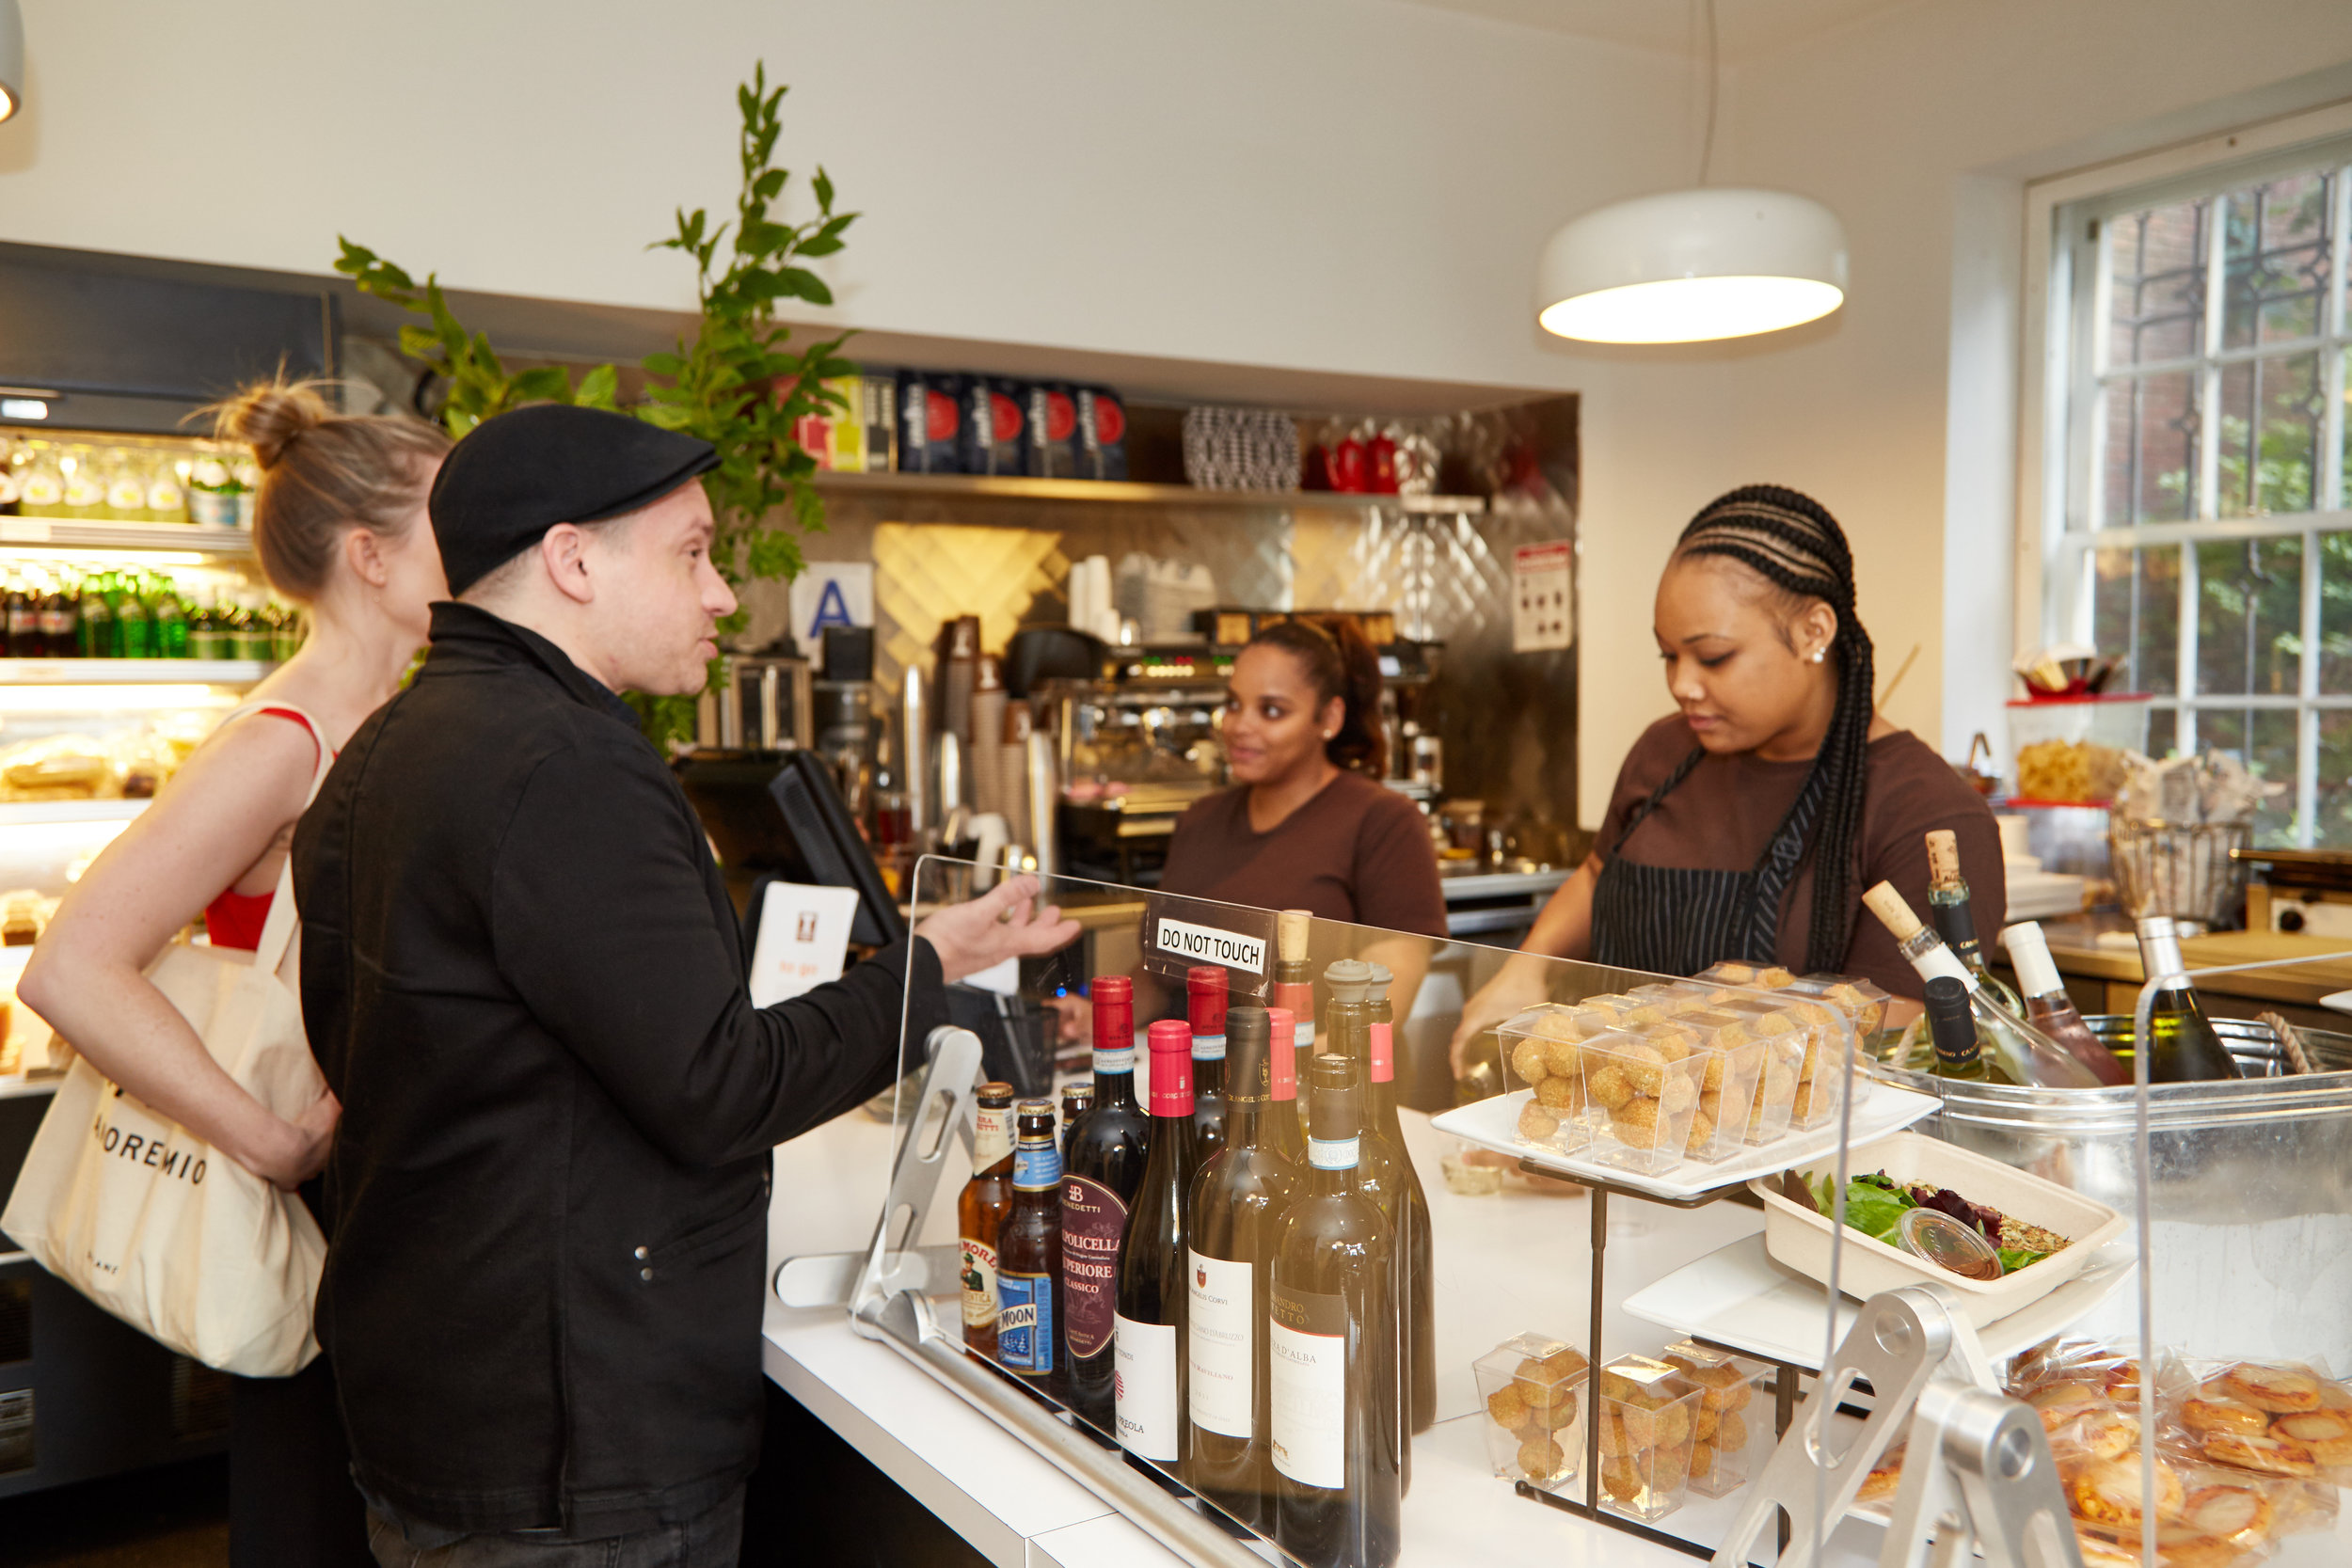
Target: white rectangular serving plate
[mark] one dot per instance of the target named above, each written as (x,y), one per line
(1800,1237)
(1494,1124)
(1737,1296)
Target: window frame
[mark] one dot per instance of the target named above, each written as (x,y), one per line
(2067,314)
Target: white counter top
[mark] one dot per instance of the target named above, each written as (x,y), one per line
(1016,1509)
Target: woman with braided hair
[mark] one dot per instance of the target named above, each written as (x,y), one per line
(1747,825)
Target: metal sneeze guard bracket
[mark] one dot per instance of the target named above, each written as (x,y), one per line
(1978,1481)
(945,1105)
(1896,1345)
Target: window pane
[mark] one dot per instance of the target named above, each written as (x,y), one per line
(2332,825)
(2335,613)
(2270,431)
(2249,617)
(2151,450)
(2136,615)
(2162,728)
(2156,284)
(2263,740)
(2275,262)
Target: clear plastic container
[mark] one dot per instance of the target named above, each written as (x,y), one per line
(1863,1002)
(1531,1385)
(1721,1431)
(1648,1420)
(1733,1067)
(1543,1060)
(2070,749)
(1754,976)
(1641,1092)
(1818,1087)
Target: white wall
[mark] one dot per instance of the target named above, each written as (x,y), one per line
(1331,185)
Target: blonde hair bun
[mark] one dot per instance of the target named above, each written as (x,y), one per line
(268,415)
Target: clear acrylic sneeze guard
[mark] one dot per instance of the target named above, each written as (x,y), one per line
(1610,1193)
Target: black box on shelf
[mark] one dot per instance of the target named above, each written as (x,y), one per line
(931,422)
(1050,450)
(1102,434)
(995,423)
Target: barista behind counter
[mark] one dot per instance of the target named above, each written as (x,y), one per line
(1308,825)
(1747,826)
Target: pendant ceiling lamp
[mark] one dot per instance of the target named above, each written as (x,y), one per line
(11,58)
(1691,265)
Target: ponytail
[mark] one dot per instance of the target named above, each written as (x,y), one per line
(1340,662)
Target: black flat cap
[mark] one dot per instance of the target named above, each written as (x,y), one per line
(518,474)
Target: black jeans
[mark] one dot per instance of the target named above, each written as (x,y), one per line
(710,1540)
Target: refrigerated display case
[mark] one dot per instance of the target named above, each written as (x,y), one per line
(85,744)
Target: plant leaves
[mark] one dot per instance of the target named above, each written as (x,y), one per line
(807,285)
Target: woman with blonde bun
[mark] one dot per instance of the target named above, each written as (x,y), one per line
(339,528)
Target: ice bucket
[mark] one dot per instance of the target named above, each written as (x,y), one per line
(2250,1188)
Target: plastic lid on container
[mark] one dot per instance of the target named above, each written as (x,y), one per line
(1945,1242)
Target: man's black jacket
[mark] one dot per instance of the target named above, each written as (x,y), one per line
(522,976)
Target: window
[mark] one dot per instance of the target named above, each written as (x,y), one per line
(2208,520)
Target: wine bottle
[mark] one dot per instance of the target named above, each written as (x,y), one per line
(1284,1129)
(1414,1288)
(2020,1051)
(61,622)
(1332,1351)
(1295,990)
(1959,1050)
(1152,1293)
(1381,1171)
(1106,1154)
(1955,922)
(1236,1201)
(1204,999)
(24,621)
(1028,1254)
(1077,1099)
(2048,1007)
(2183,1047)
(980,1214)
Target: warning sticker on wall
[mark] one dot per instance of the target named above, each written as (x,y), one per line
(1542,608)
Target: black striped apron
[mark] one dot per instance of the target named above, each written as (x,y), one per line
(1668,920)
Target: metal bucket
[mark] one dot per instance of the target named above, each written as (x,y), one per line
(2251,1189)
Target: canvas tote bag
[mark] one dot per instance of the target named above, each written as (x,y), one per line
(153,1223)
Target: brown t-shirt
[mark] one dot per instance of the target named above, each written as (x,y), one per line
(1722,816)
(1357,852)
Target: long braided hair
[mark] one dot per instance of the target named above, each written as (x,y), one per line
(1790,540)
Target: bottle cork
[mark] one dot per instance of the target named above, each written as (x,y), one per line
(1290,934)
(1893,913)
(1943,859)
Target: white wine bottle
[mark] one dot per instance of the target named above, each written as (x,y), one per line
(2024,1053)
(1959,1043)
(1955,921)
(2181,1044)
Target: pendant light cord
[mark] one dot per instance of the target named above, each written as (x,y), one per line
(1706,142)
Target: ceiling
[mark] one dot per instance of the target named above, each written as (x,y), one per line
(1747,26)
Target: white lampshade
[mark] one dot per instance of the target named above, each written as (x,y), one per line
(11,58)
(1689,265)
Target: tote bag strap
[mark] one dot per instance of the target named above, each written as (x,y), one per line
(279,929)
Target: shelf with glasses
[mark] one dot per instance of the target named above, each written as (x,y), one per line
(133,671)
(76,534)
(1120,493)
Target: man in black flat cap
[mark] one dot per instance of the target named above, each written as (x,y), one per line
(523,979)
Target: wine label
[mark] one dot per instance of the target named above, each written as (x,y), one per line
(1024,1321)
(980,1283)
(1144,1392)
(1307,1387)
(1114,1061)
(1333,1153)
(1092,1220)
(1383,1042)
(1208,1048)
(1223,1298)
(1035,1168)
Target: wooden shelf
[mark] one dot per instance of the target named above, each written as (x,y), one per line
(131,672)
(1101,492)
(72,533)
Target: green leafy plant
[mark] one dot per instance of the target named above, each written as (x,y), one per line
(739,383)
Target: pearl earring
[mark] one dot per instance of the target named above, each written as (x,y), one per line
(1818,654)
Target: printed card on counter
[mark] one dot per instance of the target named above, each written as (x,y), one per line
(804,939)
